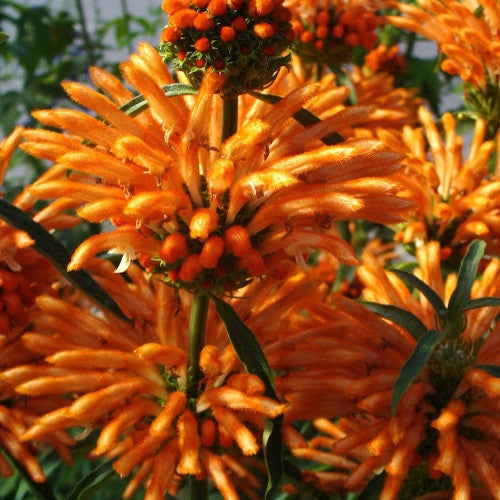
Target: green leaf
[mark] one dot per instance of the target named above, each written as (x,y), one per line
(92,482)
(3,36)
(415,364)
(465,278)
(251,355)
(402,317)
(425,289)
(139,104)
(374,488)
(272,447)
(303,116)
(55,252)
(482,302)
(492,370)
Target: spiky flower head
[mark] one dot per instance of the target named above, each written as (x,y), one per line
(241,39)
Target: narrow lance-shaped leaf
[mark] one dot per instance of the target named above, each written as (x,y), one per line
(303,116)
(402,317)
(482,302)
(415,364)
(139,104)
(492,370)
(425,289)
(465,278)
(250,353)
(56,253)
(92,482)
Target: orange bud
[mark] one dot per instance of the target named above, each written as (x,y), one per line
(210,362)
(217,7)
(8,280)
(170,34)
(212,252)
(190,268)
(307,37)
(227,34)
(322,32)
(238,241)
(201,4)
(202,44)
(203,21)
(257,8)
(253,263)
(183,18)
(239,24)
(264,30)
(172,6)
(175,246)
(323,17)
(203,222)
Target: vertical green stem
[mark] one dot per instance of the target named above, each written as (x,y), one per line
(229,116)
(198,490)
(197,324)
(85,32)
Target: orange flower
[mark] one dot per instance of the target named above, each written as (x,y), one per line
(165,172)
(467,33)
(455,195)
(452,396)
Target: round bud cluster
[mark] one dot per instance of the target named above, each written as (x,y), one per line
(329,36)
(386,59)
(206,257)
(243,39)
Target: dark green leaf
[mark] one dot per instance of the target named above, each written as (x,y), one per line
(465,278)
(303,116)
(374,488)
(92,482)
(425,289)
(251,355)
(400,316)
(3,36)
(139,104)
(272,447)
(492,370)
(55,252)
(415,364)
(482,302)
(245,345)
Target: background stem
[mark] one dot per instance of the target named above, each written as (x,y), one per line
(229,116)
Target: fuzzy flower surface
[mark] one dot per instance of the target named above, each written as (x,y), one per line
(208,215)
(457,194)
(130,382)
(467,33)
(443,434)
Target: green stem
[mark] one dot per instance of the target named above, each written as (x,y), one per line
(197,324)
(85,32)
(229,116)
(197,490)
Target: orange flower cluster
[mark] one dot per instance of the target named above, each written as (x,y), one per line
(455,195)
(328,31)
(242,40)
(467,34)
(444,427)
(209,216)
